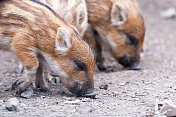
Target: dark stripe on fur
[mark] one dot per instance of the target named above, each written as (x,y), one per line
(38,2)
(11,24)
(14,17)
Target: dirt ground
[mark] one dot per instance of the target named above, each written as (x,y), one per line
(129,94)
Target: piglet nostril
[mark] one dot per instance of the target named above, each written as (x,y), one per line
(130,61)
(124,60)
(82,90)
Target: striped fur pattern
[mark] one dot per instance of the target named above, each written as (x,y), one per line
(40,39)
(73,12)
(120,27)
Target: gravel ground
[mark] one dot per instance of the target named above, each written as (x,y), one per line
(129,94)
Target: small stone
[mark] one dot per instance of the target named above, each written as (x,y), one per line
(147,83)
(67,98)
(1,102)
(136,83)
(43,96)
(49,97)
(23,105)
(91,110)
(170,90)
(174,88)
(168,109)
(86,100)
(123,92)
(103,86)
(123,84)
(133,96)
(73,102)
(0,84)
(110,82)
(96,97)
(12,104)
(168,13)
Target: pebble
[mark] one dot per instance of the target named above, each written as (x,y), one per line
(174,88)
(170,90)
(123,83)
(1,102)
(96,97)
(103,86)
(43,96)
(136,83)
(168,13)
(23,105)
(73,102)
(110,82)
(86,100)
(12,104)
(0,83)
(67,98)
(168,108)
(133,96)
(91,110)
(147,83)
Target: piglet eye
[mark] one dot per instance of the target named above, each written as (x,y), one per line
(80,65)
(131,40)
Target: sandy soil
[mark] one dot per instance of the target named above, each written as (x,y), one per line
(129,93)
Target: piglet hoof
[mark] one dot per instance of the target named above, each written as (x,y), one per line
(102,68)
(109,69)
(136,67)
(19,89)
(91,96)
(14,85)
(45,89)
(106,69)
(27,93)
(54,81)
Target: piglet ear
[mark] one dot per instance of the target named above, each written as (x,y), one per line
(81,16)
(118,14)
(63,40)
(135,2)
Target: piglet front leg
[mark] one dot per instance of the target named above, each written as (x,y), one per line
(26,53)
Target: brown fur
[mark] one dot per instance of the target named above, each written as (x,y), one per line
(115,36)
(39,37)
(74,12)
